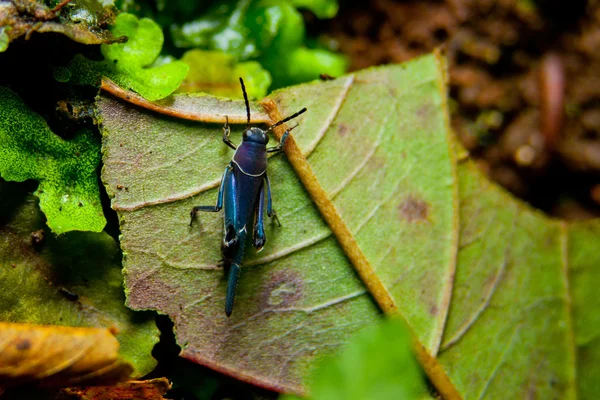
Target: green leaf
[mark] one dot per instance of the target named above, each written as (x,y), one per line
(66,170)
(304,65)
(217,73)
(4,39)
(132,60)
(73,280)
(378,364)
(145,40)
(584,276)
(486,284)
(130,64)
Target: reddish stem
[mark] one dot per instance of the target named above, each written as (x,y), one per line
(552,98)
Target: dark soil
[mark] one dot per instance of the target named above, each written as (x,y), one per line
(524,80)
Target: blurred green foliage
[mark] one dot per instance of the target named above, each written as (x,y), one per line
(133,64)
(377,365)
(270,32)
(217,73)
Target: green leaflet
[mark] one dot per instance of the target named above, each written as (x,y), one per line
(130,64)
(73,279)
(4,39)
(66,170)
(132,60)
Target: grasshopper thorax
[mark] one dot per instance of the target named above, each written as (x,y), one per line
(256,135)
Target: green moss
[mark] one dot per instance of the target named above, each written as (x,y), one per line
(66,170)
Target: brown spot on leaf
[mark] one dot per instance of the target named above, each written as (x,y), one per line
(343,130)
(282,290)
(425,111)
(376,163)
(413,209)
(433,310)
(23,344)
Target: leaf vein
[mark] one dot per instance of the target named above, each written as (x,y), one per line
(363,163)
(475,317)
(500,361)
(169,199)
(334,112)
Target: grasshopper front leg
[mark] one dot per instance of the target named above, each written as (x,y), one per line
(219,205)
(270,210)
(226,132)
(284,137)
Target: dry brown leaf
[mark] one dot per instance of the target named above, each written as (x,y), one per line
(57,356)
(152,389)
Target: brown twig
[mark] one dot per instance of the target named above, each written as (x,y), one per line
(361,264)
(172,106)
(60,5)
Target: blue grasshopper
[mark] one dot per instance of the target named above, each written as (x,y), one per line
(242,193)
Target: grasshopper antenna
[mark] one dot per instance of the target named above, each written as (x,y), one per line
(247,103)
(286,119)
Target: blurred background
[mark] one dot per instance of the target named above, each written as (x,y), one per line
(524,84)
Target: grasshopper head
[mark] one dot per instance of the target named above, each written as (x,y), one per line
(255,135)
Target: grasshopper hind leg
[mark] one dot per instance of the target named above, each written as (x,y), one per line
(232,282)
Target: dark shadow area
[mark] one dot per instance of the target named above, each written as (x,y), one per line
(12,195)
(193,381)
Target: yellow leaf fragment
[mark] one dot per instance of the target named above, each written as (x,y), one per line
(59,356)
